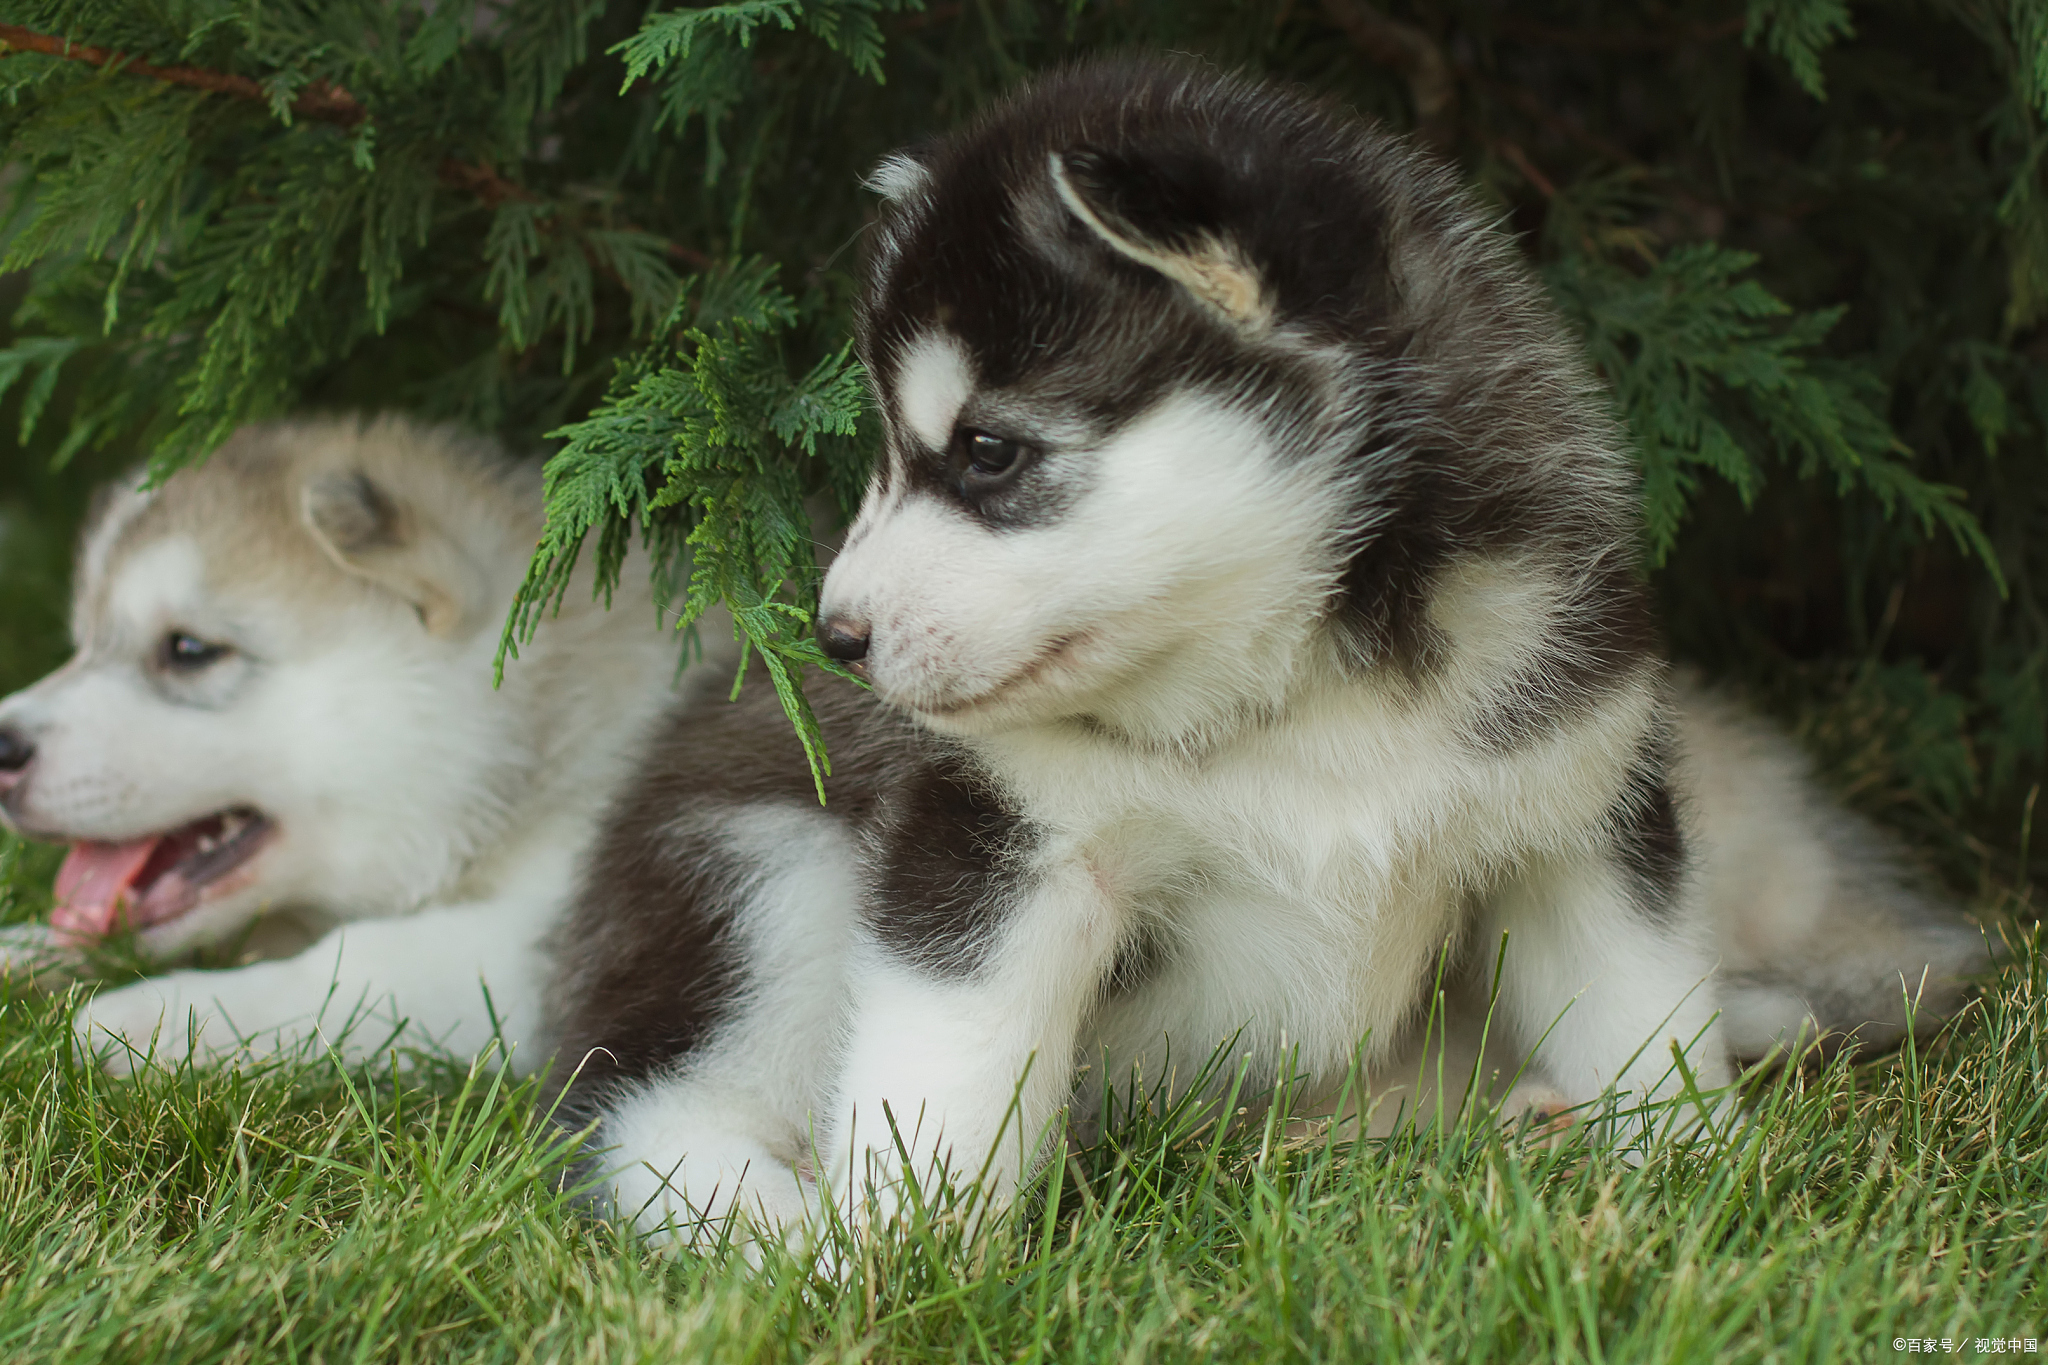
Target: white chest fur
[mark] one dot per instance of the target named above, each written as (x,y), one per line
(1293,886)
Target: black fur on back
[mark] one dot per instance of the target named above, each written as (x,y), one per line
(646,970)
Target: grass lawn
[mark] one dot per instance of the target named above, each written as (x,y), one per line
(298,1213)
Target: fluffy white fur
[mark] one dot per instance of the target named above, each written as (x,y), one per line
(731,1129)
(1306,861)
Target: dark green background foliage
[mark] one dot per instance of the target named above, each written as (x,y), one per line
(1807,244)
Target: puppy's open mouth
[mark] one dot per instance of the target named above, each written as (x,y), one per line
(141,882)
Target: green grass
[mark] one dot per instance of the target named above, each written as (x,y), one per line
(297,1212)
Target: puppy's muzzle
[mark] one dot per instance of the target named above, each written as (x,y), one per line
(16,752)
(844,640)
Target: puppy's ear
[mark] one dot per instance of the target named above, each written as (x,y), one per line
(1164,209)
(375,536)
(899,176)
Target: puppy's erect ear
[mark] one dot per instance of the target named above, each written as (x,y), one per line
(899,176)
(1165,211)
(374,536)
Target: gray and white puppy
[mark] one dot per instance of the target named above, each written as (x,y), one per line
(1249,595)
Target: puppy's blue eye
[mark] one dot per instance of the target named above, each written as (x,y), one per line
(182,653)
(990,459)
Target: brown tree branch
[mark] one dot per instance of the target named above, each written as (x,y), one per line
(320,100)
(1414,54)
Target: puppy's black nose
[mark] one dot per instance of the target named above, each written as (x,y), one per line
(844,640)
(15,750)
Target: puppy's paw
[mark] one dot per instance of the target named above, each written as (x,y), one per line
(748,1218)
(38,955)
(897,1202)
(697,1190)
(147,1022)
(206,1017)
(838,1231)
(1543,1113)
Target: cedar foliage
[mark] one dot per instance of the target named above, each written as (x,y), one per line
(1806,242)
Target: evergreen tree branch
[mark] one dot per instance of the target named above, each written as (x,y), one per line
(193,265)
(320,100)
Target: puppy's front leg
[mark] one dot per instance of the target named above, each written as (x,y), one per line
(957,1060)
(357,988)
(1604,969)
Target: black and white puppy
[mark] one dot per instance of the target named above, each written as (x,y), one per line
(1249,597)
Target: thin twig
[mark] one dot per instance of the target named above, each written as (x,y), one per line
(1415,55)
(690,256)
(490,188)
(1521,162)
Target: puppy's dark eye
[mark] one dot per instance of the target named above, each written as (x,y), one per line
(182,653)
(985,461)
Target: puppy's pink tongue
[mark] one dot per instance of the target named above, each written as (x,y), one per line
(93,886)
